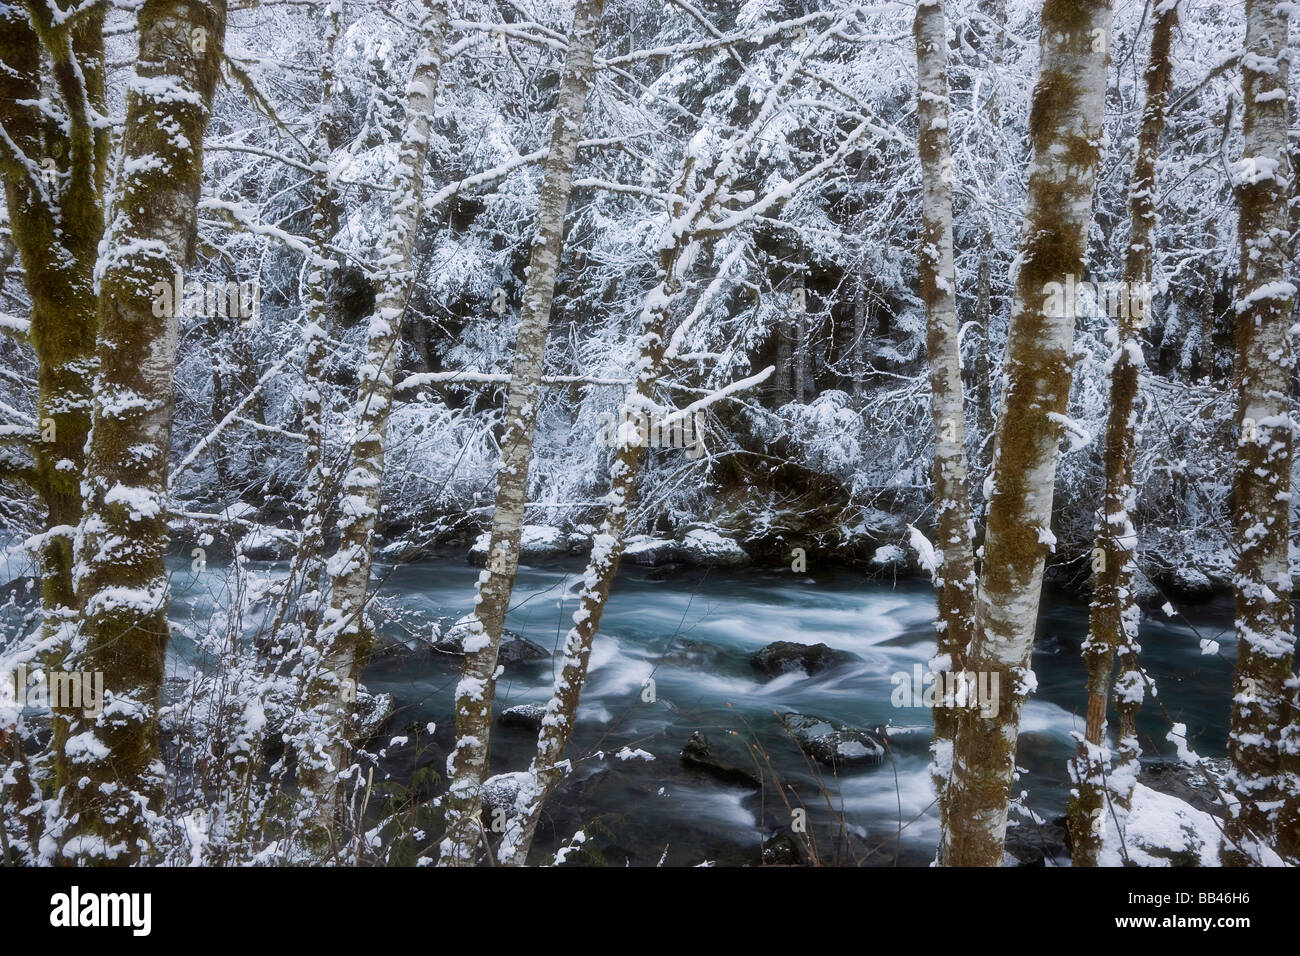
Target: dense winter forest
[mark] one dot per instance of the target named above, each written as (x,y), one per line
(651,432)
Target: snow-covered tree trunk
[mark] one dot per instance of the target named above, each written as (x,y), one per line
(54,184)
(548,768)
(324,217)
(1262,489)
(1209,286)
(955,576)
(468,762)
(799,319)
(56,221)
(1067,135)
(337,651)
(110,772)
(982,359)
(1115,614)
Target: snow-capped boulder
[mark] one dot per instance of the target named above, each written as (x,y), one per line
(702,547)
(1190,585)
(1163,831)
(535,541)
(706,547)
(515,648)
(782,849)
(265,543)
(499,792)
(832,744)
(526,716)
(649,550)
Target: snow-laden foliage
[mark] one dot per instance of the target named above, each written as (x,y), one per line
(813,275)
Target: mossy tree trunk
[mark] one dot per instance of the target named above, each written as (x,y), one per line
(54,182)
(110,772)
(1066,134)
(1115,615)
(54,187)
(1261,746)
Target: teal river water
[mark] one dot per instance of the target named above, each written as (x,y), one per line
(633,808)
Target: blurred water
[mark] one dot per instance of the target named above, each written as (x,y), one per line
(634,808)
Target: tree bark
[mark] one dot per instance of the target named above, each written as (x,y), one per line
(955,580)
(982,361)
(1066,133)
(469,761)
(1262,487)
(1115,614)
(110,773)
(317,321)
(57,222)
(336,653)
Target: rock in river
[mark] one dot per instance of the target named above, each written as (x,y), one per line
(697,755)
(514,647)
(832,744)
(782,657)
(527,716)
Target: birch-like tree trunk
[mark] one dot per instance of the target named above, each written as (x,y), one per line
(336,653)
(1066,132)
(1262,489)
(690,221)
(309,559)
(547,768)
(469,761)
(1209,286)
(110,773)
(1115,613)
(982,361)
(955,579)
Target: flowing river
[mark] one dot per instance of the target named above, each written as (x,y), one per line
(693,633)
